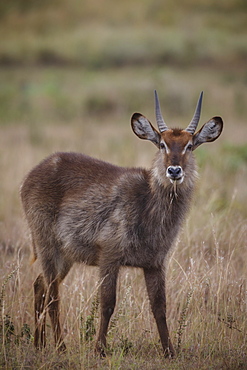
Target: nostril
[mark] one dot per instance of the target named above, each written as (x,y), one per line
(174,171)
(170,170)
(177,170)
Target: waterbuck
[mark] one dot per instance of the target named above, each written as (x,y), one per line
(81,209)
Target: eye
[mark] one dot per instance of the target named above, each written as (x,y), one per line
(189,147)
(162,145)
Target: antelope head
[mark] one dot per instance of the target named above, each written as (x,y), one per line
(176,145)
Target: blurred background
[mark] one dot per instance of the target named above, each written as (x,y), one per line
(71,75)
(65,61)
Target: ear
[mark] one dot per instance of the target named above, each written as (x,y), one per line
(210,131)
(144,129)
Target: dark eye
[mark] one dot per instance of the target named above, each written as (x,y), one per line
(162,145)
(189,147)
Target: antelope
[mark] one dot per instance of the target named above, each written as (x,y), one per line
(81,209)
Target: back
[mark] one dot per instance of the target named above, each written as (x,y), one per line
(64,173)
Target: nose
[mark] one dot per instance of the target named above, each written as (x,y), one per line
(174,172)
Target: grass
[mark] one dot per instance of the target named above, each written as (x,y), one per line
(73,85)
(206,313)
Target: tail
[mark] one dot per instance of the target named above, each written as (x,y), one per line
(33,256)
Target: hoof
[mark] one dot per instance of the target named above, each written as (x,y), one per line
(100,351)
(169,353)
(61,347)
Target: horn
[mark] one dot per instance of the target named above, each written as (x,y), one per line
(194,122)
(159,119)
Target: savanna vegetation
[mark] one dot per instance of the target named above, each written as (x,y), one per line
(72,73)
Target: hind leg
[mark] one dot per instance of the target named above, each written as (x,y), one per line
(40,312)
(52,304)
(54,272)
(46,293)
(108,276)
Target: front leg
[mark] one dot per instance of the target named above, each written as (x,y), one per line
(155,282)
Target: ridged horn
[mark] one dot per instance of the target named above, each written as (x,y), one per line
(194,122)
(159,119)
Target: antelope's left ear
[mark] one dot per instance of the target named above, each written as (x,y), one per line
(210,131)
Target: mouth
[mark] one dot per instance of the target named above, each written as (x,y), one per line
(176,180)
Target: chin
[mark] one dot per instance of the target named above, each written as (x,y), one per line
(177,181)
